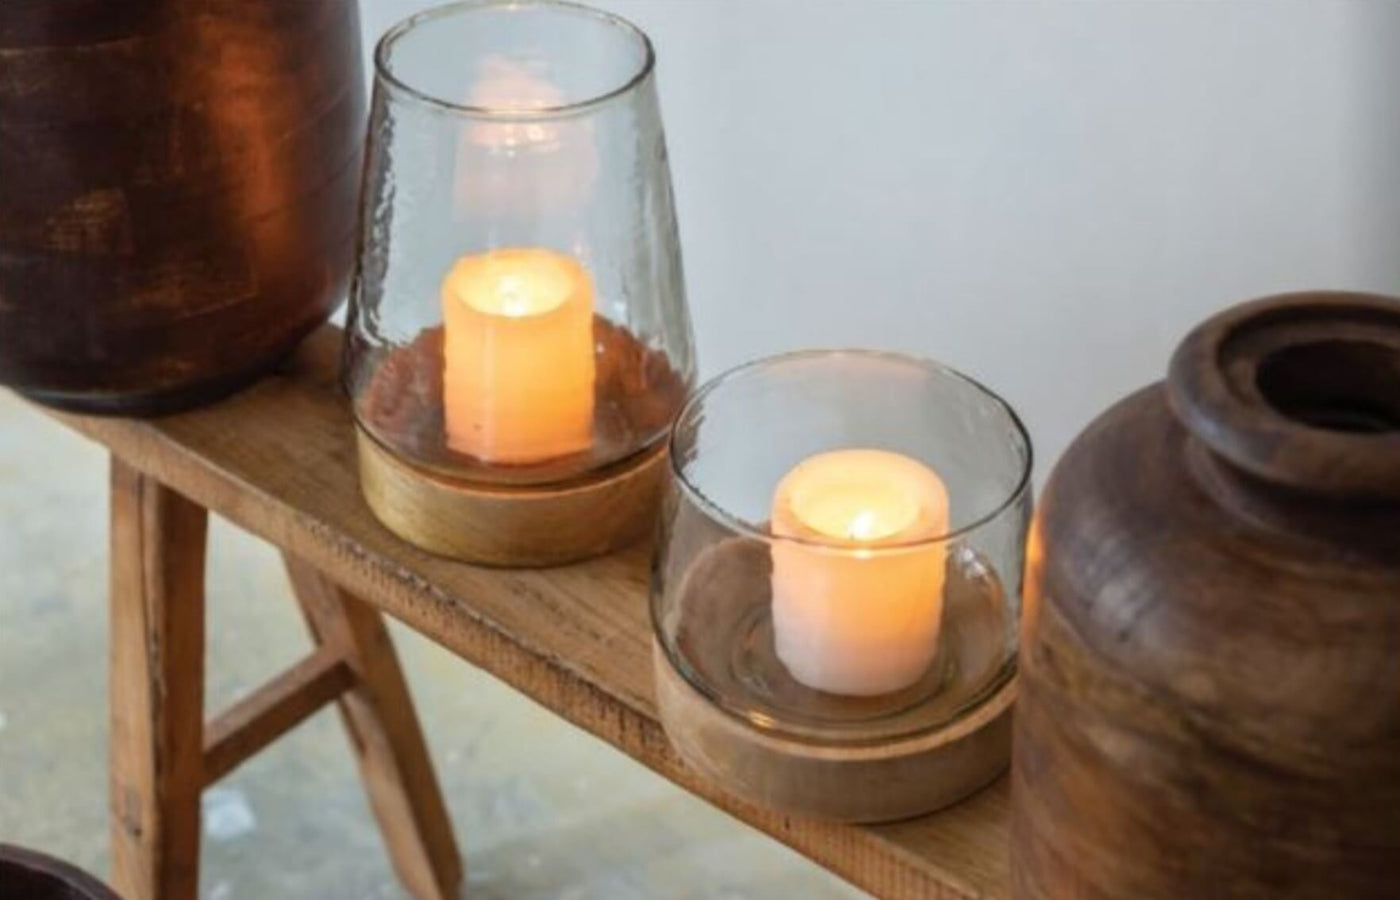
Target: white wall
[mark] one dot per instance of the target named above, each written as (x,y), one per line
(1043,194)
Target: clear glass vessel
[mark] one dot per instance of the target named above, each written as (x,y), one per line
(518,313)
(841,552)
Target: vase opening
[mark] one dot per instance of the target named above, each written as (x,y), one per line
(1349,386)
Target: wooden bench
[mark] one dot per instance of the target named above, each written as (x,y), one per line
(279,461)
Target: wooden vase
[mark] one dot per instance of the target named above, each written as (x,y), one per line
(1210,669)
(178,183)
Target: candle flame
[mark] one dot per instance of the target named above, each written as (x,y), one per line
(514,299)
(862,527)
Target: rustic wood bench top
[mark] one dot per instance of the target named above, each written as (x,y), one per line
(279,461)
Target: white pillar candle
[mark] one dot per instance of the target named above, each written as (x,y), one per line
(857,579)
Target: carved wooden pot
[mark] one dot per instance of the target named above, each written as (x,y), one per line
(1210,671)
(178,184)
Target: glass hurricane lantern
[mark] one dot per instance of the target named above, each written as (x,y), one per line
(836,591)
(518,340)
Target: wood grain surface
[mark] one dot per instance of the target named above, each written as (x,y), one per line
(891,757)
(162,754)
(881,783)
(274,708)
(384,732)
(1210,666)
(513,526)
(279,460)
(179,190)
(156,687)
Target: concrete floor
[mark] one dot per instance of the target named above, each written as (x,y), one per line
(541,809)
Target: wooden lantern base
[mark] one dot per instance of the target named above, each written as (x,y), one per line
(509,525)
(874,783)
(780,744)
(547,514)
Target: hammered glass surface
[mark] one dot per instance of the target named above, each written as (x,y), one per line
(505,125)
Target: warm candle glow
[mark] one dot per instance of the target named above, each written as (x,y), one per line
(854,611)
(507,85)
(518,356)
(522,161)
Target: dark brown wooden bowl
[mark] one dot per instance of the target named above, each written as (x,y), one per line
(26,875)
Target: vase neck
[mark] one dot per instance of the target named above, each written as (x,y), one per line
(1370,529)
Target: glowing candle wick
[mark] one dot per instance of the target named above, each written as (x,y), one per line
(514,300)
(862,527)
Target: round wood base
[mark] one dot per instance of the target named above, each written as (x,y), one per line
(880,783)
(513,526)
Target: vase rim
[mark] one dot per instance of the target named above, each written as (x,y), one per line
(385,74)
(1344,346)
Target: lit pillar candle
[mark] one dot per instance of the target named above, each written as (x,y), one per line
(518,356)
(857,600)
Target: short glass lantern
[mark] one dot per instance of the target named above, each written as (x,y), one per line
(836,591)
(518,341)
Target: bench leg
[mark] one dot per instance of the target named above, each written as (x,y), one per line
(385,734)
(156,687)
(163,755)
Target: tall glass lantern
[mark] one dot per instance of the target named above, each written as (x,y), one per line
(518,341)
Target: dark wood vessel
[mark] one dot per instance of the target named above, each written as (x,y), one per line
(26,875)
(178,183)
(1210,670)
